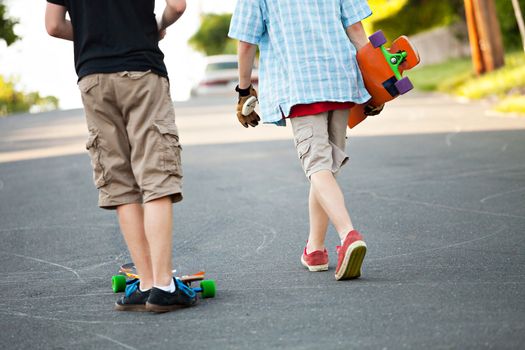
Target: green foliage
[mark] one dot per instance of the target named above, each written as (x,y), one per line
(512,104)
(11,99)
(506,84)
(15,101)
(413,16)
(7,24)
(212,36)
(381,9)
(508,24)
(507,80)
(428,78)
(397,17)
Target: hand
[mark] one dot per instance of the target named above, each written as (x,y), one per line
(162,31)
(246,107)
(372,110)
(162,34)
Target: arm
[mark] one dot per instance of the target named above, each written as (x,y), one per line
(173,11)
(247,94)
(246,53)
(56,23)
(357,35)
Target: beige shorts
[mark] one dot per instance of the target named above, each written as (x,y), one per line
(133,140)
(321,141)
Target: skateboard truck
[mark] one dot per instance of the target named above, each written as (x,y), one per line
(394,60)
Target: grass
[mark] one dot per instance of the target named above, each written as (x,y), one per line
(508,79)
(512,104)
(507,84)
(429,78)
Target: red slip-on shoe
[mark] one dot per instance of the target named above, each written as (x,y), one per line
(315,261)
(350,256)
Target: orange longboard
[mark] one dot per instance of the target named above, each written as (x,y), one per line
(127,276)
(129,271)
(382,71)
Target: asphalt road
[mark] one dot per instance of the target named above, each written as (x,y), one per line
(437,188)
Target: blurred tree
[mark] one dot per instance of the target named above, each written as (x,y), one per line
(485,35)
(398,17)
(519,20)
(14,101)
(7,24)
(509,25)
(11,99)
(212,36)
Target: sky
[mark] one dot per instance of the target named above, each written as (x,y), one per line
(45,64)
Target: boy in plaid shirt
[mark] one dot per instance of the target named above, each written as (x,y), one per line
(308,75)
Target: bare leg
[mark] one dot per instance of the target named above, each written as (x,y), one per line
(131,219)
(318,224)
(331,199)
(158,223)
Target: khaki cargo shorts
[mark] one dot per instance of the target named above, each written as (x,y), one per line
(133,140)
(321,141)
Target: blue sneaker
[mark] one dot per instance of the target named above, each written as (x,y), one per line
(162,301)
(134,299)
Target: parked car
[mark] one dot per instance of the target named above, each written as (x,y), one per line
(220,76)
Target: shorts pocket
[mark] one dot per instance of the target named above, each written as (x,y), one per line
(303,140)
(93,146)
(166,85)
(170,148)
(135,75)
(87,83)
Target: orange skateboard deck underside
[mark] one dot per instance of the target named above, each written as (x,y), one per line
(376,71)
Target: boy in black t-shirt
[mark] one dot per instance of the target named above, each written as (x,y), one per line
(133,140)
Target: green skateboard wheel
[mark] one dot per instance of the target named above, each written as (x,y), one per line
(208,288)
(118,283)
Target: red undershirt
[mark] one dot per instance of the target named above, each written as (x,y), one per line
(317,107)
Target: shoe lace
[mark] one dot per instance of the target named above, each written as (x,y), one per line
(184,288)
(132,287)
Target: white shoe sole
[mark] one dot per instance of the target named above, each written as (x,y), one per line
(314,268)
(351,266)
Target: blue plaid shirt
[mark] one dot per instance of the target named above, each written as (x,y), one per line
(305,54)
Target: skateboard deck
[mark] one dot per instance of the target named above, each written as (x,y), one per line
(127,274)
(382,69)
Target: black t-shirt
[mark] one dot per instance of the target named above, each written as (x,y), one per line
(114,35)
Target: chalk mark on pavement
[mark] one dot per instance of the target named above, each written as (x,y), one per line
(442,206)
(47,262)
(66,321)
(448,138)
(499,194)
(453,245)
(115,342)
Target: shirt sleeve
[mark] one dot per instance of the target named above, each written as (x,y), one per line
(353,11)
(58,2)
(247,22)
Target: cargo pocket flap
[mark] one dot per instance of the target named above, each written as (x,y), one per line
(303,135)
(303,149)
(303,140)
(91,140)
(87,83)
(94,152)
(134,75)
(170,130)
